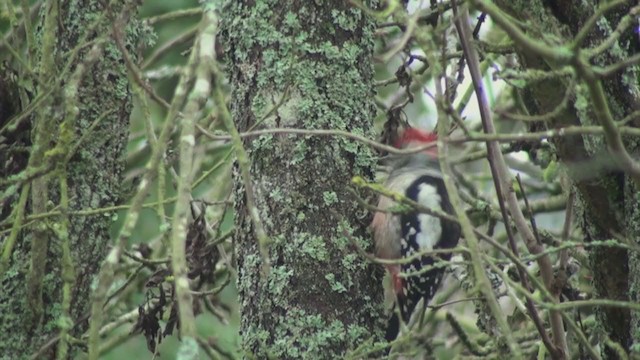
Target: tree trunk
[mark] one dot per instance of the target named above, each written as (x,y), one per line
(31,300)
(304,65)
(607,202)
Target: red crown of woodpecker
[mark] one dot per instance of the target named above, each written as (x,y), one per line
(416,137)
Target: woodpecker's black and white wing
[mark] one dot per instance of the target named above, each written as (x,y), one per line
(421,233)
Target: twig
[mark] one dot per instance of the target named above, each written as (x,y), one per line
(18,30)
(591,22)
(174,15)
(168,46)
(411,26)
(136,74)
(464,338)
(551,115)
(453,302)
(566,231)
(504,190)
(471,137)
(560,54)
(621,65)
(612,134)
(628,20)
(481,278)
(374,144)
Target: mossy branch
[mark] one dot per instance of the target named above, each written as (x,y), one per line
(106,274)
(45,128)
(18,219)
(204,48)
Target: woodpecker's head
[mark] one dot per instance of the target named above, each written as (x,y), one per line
(413,138)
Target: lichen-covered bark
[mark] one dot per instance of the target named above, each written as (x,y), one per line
(319,298)
(94,180)
(607,203)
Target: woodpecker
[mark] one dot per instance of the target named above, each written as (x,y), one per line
(400,236)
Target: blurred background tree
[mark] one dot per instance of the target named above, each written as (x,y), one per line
(117,150)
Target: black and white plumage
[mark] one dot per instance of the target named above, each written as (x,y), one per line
(399,236)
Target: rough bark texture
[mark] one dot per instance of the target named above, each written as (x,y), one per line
(94,180)
(607,199)
(320,298)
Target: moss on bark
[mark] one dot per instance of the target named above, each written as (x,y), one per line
(94,176)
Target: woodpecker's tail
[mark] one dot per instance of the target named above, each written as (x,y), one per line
(405,308)
(393,327)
